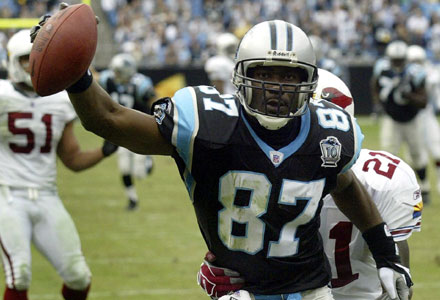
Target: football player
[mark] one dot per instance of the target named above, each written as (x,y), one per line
(396,193)
(35,130)
(258,163)
(133,90)
(430,125)
(393,187)
(399,87)
(220,67)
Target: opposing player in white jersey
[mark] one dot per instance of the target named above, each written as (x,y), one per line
(220,67)
(34,130)
(430,127)
(133,90)
(396,193)
(393,187)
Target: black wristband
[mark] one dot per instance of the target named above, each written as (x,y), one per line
(108,148)
(381,245)
(82,84)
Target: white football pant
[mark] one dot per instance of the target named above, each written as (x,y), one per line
(393,134)
(38,216)
(131,163)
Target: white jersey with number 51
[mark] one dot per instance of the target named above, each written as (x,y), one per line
(30,129)
(393,186)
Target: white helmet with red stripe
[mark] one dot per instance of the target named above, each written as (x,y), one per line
(332,88)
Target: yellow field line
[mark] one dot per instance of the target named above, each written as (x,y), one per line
(23,23)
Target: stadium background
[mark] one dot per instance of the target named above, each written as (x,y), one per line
(155,252)
(175,37)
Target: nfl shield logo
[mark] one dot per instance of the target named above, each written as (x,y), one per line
(331,152)
(276,158)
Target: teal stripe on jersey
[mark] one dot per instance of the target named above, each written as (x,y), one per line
(290,148)
(186,114)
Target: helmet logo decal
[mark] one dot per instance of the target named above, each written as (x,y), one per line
(336,96)
(331,152)
(281,54)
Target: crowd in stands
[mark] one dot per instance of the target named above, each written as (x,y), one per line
(183,32)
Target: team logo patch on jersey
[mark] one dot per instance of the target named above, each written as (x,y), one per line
(331,152)
(160,111)
(276,157)
(417,194)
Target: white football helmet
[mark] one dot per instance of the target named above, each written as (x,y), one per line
(19,45)
(333,89)
(416,54)
(275,43)
(396,52)
(123,66)
(227,44)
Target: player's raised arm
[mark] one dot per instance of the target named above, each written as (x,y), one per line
(126,127)
(56,67)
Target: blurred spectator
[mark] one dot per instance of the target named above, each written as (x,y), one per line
(417,24)
(153,31)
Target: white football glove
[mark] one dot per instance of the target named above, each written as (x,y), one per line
(394,284)
(238,295)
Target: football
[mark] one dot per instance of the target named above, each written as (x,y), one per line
(63,49)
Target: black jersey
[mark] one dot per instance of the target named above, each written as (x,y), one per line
(257,207)
(392,87)
(134,94)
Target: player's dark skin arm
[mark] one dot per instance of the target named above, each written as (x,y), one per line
(354,201)
(122,126)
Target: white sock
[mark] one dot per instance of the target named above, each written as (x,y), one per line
(131,193)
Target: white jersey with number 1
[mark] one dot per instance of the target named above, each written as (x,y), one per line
(393,187)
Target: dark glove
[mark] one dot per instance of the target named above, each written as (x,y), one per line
(395,278)
(108,148)
(43,20)
(216,281)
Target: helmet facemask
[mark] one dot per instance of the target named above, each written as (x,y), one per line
(274,103)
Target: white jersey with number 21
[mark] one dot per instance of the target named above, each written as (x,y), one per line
(393,186)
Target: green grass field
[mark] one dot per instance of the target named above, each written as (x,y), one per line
(155,252)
